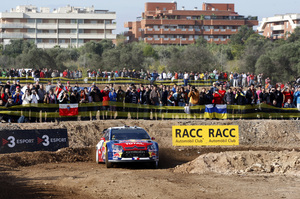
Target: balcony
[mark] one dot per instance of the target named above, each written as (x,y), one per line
(64,35)
(278,27)
(67,26)
(149,22)
(169,41)
(96,36)
(12,25)
(222,32)
(52,26)
(97,26)
(11,35)
(47,36)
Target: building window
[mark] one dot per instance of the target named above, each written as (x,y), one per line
(31,30)
(73,21)
(39,20)
(206,17)
(80,21)
(62,41)
(80,31)
(39,41)
(73,41)
(80,41)
(39,31)
(51,41)
(62,31)
(73,31)
(51,31)
(30,21)
(94,22)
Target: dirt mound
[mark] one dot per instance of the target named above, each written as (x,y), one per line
(32,158)
(241,162)
(4,127)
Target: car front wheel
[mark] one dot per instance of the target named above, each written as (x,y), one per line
(108,164)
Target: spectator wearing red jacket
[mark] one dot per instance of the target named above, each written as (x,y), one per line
(42,74)
(65,73)
(288,94)
(217,98)
(105,94)
(222,92)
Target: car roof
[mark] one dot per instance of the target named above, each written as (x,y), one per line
(126,127)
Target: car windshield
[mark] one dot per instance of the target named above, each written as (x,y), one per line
(129,134)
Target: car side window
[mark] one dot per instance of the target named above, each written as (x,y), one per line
(106,136)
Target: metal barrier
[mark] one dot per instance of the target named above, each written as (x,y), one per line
(104,80)
(116,110)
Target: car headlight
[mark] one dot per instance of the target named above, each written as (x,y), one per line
(151,147)
(117,147)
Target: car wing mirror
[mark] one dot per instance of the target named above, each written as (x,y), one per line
(153,138)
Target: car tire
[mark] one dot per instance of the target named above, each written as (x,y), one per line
(154,165)
(97,157)
(108,164)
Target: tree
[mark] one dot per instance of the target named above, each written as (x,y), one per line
(241,36)
(295,36)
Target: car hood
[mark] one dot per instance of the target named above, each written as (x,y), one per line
(133,144)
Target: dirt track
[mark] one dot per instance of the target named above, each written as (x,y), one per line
(72,173)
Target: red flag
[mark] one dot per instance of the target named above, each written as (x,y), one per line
(68,109)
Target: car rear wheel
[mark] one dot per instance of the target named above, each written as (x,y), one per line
(108,164)
(155,165)
(97,156)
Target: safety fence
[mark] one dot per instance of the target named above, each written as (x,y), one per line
(115,110)
(105,80)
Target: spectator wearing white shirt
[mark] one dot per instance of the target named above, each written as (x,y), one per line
(34,97)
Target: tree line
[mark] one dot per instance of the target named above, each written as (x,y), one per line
(246,52)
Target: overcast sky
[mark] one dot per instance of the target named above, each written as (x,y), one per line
(128,10)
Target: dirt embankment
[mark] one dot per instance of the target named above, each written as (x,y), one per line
(253,133)
(256,135)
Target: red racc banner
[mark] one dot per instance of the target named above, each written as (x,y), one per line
(68,109)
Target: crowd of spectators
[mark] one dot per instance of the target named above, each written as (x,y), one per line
(280,95)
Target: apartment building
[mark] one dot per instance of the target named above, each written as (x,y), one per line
(65,26)
(163,24)
(279,26)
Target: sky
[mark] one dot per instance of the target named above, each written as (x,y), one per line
(129,10)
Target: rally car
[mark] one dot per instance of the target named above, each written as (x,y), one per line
(126,144)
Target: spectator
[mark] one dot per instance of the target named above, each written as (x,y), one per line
(251,96)
(171,100)
(186,78)
(229,97)
(5,95)
(288,94)
(50,98)
(26,98)
(17,96)
(289,104)
(34,97)
(279,97)
(297,98)
(154,96)
(240,97)
(217,98)
(41,93)
(194,96)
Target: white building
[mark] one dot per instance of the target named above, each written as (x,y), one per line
(279,26)
(66,26)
